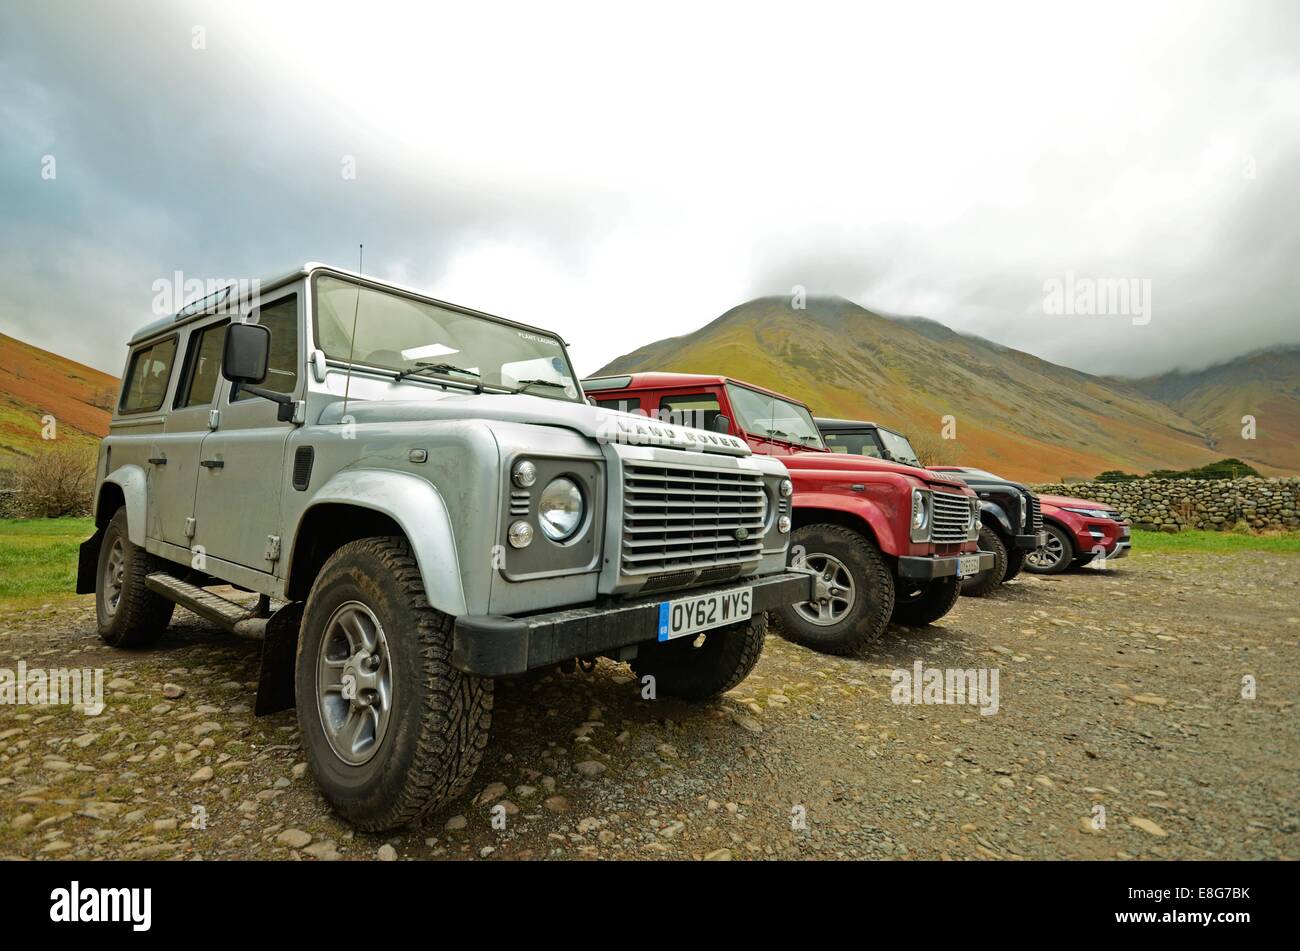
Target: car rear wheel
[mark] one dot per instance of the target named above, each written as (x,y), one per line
(978,585)
(923,602)
(1052,557)
(704,665)
(857,592)
(392,730)
(127,613)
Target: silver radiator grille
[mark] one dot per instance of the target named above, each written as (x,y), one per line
(685,518)
(951,517)
(1035,514)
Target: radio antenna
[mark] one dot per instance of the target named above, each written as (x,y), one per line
(352,347)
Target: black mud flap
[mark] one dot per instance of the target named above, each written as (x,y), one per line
(279,652)
(88,562)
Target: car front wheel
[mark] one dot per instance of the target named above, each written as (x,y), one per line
(392,729)
(978,585)
(1053,556)
(857,592)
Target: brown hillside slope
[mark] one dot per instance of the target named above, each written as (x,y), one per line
(35,383)
(1016,414)
(1265,385)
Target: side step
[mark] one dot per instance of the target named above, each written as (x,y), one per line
(235,618)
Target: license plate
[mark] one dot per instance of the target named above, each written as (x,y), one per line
(968,565)
(692,615)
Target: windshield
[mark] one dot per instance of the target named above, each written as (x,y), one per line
(763,415)
(395,332)
(900,450)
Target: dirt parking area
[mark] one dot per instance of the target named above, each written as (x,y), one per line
(1121,731)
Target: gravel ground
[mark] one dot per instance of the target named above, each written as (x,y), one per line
(1119,688)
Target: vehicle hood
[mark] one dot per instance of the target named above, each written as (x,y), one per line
(605,425)
(848,463)
(1065,501)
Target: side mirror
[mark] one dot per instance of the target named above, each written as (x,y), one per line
(886,455)
(720,424)
(247,353)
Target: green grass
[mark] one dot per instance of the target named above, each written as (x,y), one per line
(38,557)
(1214,541)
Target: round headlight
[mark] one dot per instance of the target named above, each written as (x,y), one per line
(525,474)
(787,488)
(560,509)
(920,510)
(521,534)
(1024,510)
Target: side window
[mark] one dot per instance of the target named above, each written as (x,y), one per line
(623,404)
(147,376)
(697,410)
(203,367)
(281,318)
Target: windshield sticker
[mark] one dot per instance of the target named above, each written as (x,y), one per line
(430,350)
(538,338)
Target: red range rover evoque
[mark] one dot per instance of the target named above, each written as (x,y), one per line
(1078,531)
(891,541)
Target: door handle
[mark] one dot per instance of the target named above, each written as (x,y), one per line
(212,464)
(158,461)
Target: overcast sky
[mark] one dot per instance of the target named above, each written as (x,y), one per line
(621,177)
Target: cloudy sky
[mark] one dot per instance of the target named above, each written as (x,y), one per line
(624,174)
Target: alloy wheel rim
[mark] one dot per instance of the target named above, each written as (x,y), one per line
(840,594)
(1048,554)
(114,577)
(354,683)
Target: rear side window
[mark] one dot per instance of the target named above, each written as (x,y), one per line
(204,366)
(859,443)
(147,376)
(623,404)
(281,318)
(697,410)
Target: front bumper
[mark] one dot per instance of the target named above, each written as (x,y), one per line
(493,645)
(1029,542)
(922,568)
(1121,550)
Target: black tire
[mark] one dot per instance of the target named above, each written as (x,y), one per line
(867,617)
(700,667)
(923,602)
(139,616)
(977,586)
(1015,562)
(1055,556)
(439,718)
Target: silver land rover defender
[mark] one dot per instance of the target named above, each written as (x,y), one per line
(423,500)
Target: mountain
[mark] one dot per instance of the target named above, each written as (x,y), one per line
(1264,384)
(1015,414)
(35,383)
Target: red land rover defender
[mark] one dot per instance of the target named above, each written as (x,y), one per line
(890,541)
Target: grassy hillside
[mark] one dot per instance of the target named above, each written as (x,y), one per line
(1016,414)
(35,383)
(1264,385)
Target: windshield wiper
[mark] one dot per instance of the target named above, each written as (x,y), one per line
(441,369)
(525,384)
